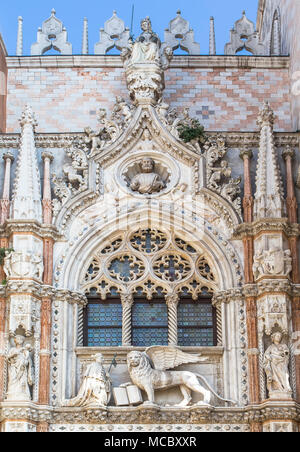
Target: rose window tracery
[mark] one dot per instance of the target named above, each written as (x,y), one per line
(149,262)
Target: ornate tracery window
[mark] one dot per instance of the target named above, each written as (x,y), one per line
(149,287)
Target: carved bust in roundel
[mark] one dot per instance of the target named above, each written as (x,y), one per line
(147,181)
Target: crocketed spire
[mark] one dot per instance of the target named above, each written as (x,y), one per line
(269,196)
(26,201)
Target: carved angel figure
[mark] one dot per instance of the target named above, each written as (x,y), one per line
(96,386)
(20,371)
(276,361)
(148,371)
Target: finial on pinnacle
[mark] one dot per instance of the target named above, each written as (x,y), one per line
(53,12)
(179,12)
(266,115)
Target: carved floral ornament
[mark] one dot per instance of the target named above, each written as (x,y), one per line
(149,262)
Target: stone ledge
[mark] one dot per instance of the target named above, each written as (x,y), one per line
(266,411)
(179,61)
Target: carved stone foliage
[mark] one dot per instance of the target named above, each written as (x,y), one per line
(109,129)
(52,34)
(180,35)
(244,36)
(145,62)
(272,262)
(149,262)
(114,34)
(75,177)
(20,371)
(218,173)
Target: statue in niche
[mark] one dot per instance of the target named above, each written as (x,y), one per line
(276,361)
(95,390)
(147,46)
(20,371)
(148,181)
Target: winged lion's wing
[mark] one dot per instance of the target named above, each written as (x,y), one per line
(164,358)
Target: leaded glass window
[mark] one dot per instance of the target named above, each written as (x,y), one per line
(196,323)
(149,323)
(103,323)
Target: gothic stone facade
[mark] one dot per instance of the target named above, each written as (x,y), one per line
(124,243)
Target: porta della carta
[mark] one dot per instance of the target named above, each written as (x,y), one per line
(149,229)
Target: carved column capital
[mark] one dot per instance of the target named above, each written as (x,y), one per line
(172,300)
(47,155)
(8,156)
(127,300)
(246,153)
(288,152)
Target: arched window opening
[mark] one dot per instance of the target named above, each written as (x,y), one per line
(149,287)
(275,42)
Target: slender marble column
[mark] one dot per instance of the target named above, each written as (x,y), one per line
(2,346)
(4,202)
(172,303)
(127,302)
(253,351)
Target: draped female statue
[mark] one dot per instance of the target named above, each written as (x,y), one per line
(276,361)
(147,46)
(20,371)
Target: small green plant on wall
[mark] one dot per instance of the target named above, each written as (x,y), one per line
(192,131)
(3,253)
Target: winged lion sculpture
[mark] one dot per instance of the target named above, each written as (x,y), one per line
(149,371)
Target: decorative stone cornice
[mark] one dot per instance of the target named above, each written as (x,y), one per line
(271,286)
(152,414)
(267,225)
(115,61)
(66,140)
(42,291)
(32,226)
(228,296)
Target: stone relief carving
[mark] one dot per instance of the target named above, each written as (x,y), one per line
(20,264)
(24,313)
(148,371)
(75,177)
(273,262)
(52,34)
(276,361)
(95,390)
(273,311)
(147,181)
(114,34)
(20,371)
(218,173)
(145,62)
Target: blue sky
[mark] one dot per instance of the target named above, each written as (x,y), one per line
(198,12)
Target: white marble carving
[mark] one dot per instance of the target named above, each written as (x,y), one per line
(95,390)
(20,264)
(244,36)
(26,198)
(147,181)
(145,62)
(275,262)
(52,34)
(114,34)
(180,35)
(273,311)
(20,371)
(24,313)
(148,372)
(276,361)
